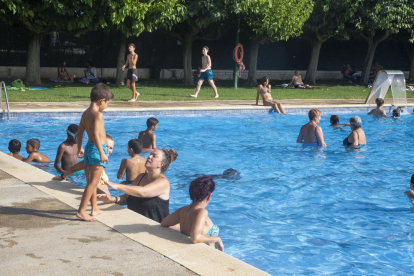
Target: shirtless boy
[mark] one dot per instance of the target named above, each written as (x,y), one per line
(14,147)
(206,74)
(132,75)
(66,155)
(147,136)
(298,83)
(95,154)
(133,166)
(32,147)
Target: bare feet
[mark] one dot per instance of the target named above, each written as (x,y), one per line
(97,212)
(85,216)
(216,96)
(136,97)
(132,100)
(59,177)
(194,96)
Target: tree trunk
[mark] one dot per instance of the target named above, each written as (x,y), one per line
(314,60)
(33,59)
(373,42)
(187,61)
(254,50)
(411,77)
(121,59)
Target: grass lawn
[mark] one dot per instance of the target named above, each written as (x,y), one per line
(175,90)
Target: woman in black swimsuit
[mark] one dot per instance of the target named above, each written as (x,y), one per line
(149,193)
(63,74)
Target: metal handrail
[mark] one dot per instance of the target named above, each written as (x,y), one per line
(3,85)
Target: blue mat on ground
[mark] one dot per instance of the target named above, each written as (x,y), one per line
(38,88)
(56,80)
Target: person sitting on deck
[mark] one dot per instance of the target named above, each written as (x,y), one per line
(298,83)
(63,73)
(193,219)
(264,90)
(311,134)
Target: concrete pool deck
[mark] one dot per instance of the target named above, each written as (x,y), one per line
(47,107)
(40,234)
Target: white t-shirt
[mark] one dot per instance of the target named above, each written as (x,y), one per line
(89,75)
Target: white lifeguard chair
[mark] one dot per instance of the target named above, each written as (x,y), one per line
(382,83)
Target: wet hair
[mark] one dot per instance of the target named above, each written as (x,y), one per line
(205,47)
(131,44)
(412,179)
(90,63)
(396,112)
(101,91)
(379,101)
(34,143)
(313,113)
(109,137)
(201,187)
(135,145)
(169,157)
(152,122)
(355,121)
(73,128)
(61,63)
(15,146)
(265,78)
(334,120)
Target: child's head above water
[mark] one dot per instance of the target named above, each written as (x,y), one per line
(15,146)
(32,145)
(152,122)
(396,113)
(135,145)
(412,182)
(101,92)
(201,187)
(72,130)
(334,120)
(379,102)
(109,144)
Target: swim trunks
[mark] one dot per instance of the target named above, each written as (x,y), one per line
(214,231)
(206,75)
(132,74)
(92,156)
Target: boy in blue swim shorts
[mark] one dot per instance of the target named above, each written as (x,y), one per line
(95,154)
(206,74)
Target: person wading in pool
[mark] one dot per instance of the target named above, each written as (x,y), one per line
(357,139)
(149,193)
(193,219)
(311,134)
(206,74)
(379,112)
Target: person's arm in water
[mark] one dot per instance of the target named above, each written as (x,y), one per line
(196,234)
(300,136)
(320,136)
(410,194)
(258,93)
(153,189)
(58,158)
(122,170)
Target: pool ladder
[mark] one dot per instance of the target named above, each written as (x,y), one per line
(3,85)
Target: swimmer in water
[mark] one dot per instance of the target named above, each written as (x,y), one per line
(379,112)
(410,193)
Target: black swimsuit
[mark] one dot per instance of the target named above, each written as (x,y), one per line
(153,208)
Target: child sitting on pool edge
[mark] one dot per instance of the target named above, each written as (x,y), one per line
(67,152)
(32,147)
(14,147)
(147,136)
(410,193)
(133,166)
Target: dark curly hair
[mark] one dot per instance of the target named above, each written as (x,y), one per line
(201,187)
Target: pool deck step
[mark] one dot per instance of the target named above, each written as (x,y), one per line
(40,234)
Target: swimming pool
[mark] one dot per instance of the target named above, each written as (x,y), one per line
(295,210)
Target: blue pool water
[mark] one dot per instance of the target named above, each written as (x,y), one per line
(295,210)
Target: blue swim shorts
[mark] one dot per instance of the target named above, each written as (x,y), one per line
(92,156)
(207,75)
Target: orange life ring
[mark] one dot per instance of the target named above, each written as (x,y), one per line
(236,50)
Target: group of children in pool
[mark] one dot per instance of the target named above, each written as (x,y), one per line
(149,191)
